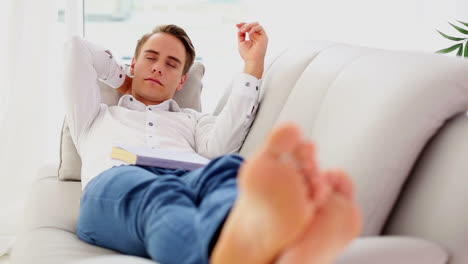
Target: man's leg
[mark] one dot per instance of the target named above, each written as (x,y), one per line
(131,210)
(215,190)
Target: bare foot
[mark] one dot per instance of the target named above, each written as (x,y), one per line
(333,227)
(278,187)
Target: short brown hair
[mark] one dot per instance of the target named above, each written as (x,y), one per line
(177,32)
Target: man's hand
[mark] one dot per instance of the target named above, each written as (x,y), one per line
(253,50)
(126,87)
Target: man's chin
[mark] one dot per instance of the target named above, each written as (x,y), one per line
(154,98)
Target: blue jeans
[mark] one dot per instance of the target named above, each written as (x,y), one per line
(171,216)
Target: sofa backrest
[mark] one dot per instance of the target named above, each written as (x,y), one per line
(370,111)
(433,202)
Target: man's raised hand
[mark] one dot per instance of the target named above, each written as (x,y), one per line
(253,49)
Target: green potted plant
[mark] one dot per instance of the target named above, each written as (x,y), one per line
(461,47)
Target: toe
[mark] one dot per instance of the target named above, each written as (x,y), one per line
(341,183)
(284,139)
(305,155)
(320,190)
(307,159)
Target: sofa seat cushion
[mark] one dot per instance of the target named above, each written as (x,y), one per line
(48,245)
(115,260)
(48,233)
(393,249)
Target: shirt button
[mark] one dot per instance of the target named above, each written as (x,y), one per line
(256,88)
(149,109)
(120,76)
(131,99)
(247,84)
(150,123)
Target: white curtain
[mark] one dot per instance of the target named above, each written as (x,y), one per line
(31,107)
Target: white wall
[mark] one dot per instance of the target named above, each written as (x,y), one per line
(392,24)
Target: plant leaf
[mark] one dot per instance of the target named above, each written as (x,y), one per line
(450,49)
(461,30)
(460,51)
(449,37)
(464,23)
(466,50)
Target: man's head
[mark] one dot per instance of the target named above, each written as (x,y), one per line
(160,64)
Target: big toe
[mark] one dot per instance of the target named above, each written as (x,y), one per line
(284,139)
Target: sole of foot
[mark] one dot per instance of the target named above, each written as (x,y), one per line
(336,223)
(277,199)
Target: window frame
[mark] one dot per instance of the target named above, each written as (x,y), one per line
(74,18)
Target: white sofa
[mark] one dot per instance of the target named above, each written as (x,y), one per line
(395,120)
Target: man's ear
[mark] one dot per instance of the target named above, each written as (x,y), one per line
(132,66)
(182,81)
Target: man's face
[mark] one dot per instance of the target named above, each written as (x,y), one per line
(158,69)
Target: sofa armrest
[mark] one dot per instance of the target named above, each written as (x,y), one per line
(52,203)
(47,170)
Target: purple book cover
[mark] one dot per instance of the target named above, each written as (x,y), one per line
(167,163)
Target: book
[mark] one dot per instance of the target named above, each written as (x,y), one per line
(162,158)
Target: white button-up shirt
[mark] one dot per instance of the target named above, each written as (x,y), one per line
(96,127)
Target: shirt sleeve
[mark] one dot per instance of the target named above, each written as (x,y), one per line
(86,64)
(226,132)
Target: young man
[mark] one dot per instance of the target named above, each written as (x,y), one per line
(276,208)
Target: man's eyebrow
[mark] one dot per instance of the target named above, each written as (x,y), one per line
(152,51)
(170,57)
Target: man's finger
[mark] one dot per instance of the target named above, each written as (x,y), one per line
(248,26)
(238,25)
(241,36)
(256,29)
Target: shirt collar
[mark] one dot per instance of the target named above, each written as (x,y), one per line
(130,102)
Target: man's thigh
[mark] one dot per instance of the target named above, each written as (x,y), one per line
(110,206)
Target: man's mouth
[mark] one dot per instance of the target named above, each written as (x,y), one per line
(154,80)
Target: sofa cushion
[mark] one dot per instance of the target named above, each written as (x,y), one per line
(378,113)
(47,234)
(279,80)
(188,97)
(370,111)
(392,250)
(122,259)
(49,245)
(433,202)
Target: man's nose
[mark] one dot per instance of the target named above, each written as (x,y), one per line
(157,68)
